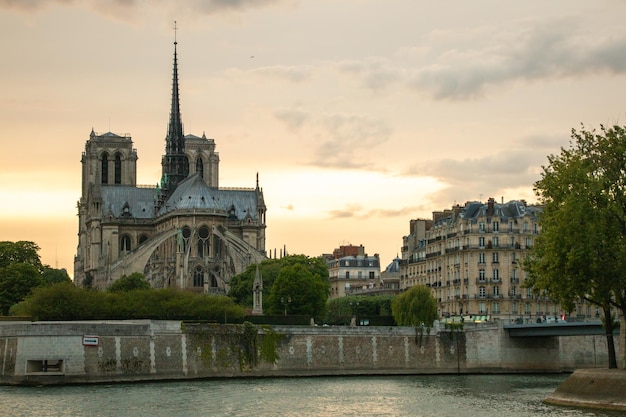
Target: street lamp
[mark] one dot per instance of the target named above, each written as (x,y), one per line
(354,307)
(285,303)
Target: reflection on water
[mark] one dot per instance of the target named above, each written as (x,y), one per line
(468,395)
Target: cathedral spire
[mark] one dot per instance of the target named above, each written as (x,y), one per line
(175,166)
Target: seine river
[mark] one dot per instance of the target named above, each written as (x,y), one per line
(457,396)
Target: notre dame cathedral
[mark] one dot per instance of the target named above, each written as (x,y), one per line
(185,232)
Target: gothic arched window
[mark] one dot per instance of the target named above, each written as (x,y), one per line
(200,167)
(104,171)
(125,243)
(198,277)
(118,169)
(203,242)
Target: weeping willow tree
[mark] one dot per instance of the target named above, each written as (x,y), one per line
(415,307)
(581,252)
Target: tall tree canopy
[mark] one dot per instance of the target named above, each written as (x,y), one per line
(21,270)
(19,252)
(581,252)
(16,282)
(297,290)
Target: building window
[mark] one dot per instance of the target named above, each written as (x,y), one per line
(495,257)
(125,243)
(527,308)
(481,258)
(481,274)
(200,167)
(511,226)
(529,242)
(496,274)
(203,242)
(496,308)
(104,170)
(514,308)
(118,169)
(347,274)
(496,226)
(513,258)
(496,291)
(482,292)
(513,291)
(496,242)
(198,277)
(481,242)
(482,308)
(481,227)
(372,275)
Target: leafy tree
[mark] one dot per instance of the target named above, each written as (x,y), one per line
(54,276)
(581,252)
(19,252)
(134,281)
(414,307)
(241,285)
(17,280)
(297,290)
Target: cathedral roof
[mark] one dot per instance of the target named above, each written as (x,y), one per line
(125,200)
(194,193)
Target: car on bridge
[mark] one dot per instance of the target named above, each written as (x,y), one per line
(555,319)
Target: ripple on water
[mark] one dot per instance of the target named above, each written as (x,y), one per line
(436,396)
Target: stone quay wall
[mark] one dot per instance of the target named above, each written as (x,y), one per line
(122,351)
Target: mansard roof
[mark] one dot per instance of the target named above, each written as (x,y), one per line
(193,193)
(473,210)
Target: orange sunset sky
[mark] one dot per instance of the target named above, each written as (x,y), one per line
(358,115)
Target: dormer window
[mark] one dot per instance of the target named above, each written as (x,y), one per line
(126,210)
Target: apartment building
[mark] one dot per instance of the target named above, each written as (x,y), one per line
(351,270)
(470,256)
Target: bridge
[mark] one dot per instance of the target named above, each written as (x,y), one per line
(581,328)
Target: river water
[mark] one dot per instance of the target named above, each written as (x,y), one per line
(457,396)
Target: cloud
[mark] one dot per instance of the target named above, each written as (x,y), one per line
(289,73)
(356,211)
(341,141)
(509,172)
(293,118)
(118,8)
(376,73)
(348,212)
(543,50)
(349,139)
(464,65)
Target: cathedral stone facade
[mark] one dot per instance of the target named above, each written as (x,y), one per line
(186,232)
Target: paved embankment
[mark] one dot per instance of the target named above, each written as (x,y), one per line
(592,388)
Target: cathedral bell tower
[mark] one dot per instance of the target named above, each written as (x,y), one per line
(175,165)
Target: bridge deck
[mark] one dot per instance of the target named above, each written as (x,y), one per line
(555,329)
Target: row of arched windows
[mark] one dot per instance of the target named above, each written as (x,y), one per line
(126,242)
(202,241)
(117,168)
